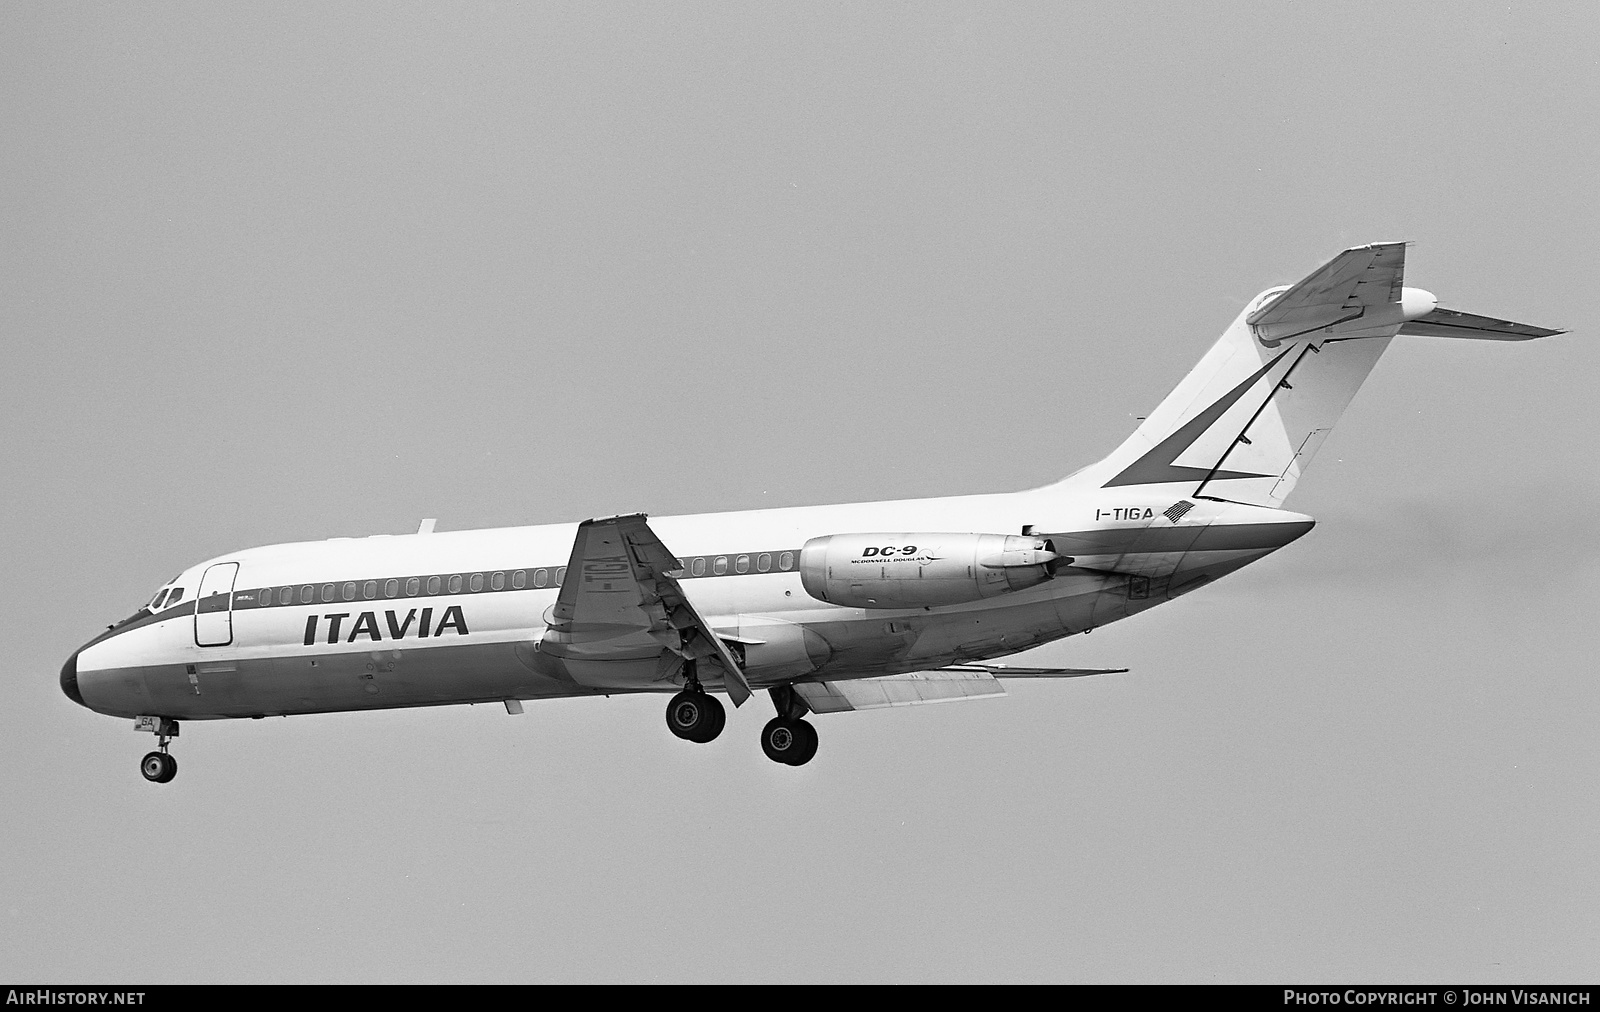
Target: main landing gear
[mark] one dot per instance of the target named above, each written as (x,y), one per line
(158,767)
(696,715)
(789,738)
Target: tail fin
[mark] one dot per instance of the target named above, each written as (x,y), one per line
(1245,423)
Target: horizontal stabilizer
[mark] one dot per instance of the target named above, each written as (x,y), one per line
(897,690)
(1449,323)
(1360,284)
(1009,671)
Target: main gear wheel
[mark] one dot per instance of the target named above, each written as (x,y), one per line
(696,716)
(789,740)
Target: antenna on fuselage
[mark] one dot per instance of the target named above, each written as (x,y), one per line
(426,527)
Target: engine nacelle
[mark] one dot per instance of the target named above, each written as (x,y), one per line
(923,570)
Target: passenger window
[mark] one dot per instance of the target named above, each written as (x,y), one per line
(413,586)
(497,581)
(720,565)
(327,592)
(561,574)
(786,561)
(476,583)
(541,578)
(286,595)
(306,594)
(369,590)
(455,584)
(764,562)
(391,588)
(519,579)
(264,598)
(433,585)
(741,564)
(697,567)
(349,592)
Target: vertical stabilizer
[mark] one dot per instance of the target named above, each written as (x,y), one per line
(1245,423)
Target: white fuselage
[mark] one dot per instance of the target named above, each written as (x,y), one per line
(431,619)
(802,602)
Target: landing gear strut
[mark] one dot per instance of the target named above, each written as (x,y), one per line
(694,714)
(788,738)
(158,767)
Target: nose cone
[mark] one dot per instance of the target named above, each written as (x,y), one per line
(69,679)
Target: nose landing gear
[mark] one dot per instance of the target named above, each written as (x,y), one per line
(158,767)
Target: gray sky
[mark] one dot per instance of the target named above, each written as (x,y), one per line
(273,273)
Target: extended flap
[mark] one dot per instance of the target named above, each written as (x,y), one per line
(897,690)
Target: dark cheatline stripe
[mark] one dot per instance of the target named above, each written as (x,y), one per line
(177,611)
(253,596)
(1216,538)
(1244,537)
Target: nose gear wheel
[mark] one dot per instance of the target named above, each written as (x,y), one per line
(158,767)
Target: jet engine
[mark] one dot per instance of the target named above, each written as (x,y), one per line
(923,570)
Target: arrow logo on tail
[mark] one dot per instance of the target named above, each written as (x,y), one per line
(1157,465)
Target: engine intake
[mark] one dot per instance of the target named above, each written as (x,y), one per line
(923,570)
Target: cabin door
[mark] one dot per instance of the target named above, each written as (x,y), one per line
(213,611)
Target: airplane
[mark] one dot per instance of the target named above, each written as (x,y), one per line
(827,608)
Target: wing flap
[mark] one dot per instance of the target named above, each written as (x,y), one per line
(942,685)
(897,690)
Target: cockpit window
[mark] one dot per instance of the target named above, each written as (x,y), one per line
(165,597)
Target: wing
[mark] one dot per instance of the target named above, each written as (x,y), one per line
(944,685)
(1340,290)
(621,616)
